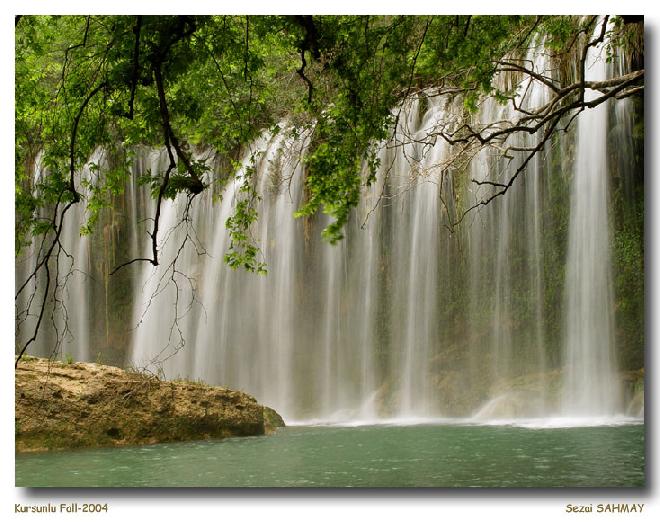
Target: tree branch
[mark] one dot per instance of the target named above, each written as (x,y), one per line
(74,135)
(136,65)
(301,73)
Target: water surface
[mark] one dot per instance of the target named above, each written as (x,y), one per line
(368,456)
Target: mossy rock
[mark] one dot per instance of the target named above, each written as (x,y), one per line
(272,419)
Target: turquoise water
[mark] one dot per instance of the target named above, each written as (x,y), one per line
(368,456)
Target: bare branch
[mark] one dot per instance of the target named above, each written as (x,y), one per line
(514,67)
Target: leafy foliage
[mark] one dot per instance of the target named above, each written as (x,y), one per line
(89,81)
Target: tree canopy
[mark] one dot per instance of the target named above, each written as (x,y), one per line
(180,81)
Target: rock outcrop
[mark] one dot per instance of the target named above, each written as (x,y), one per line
(61,406)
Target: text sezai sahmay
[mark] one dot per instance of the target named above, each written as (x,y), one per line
(615,508)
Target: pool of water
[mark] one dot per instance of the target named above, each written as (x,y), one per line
(429,455)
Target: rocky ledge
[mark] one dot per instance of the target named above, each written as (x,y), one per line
(60,406)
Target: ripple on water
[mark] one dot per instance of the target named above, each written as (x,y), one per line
(333,456)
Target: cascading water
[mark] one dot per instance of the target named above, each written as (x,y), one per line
(506,260)
(66,324)
(590,384)
(409,316)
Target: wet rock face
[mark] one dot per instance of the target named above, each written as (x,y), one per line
(88,405)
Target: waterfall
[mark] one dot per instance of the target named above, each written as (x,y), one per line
(363,329)
(508,314)
(66,324)
(590,383)
(506,260)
